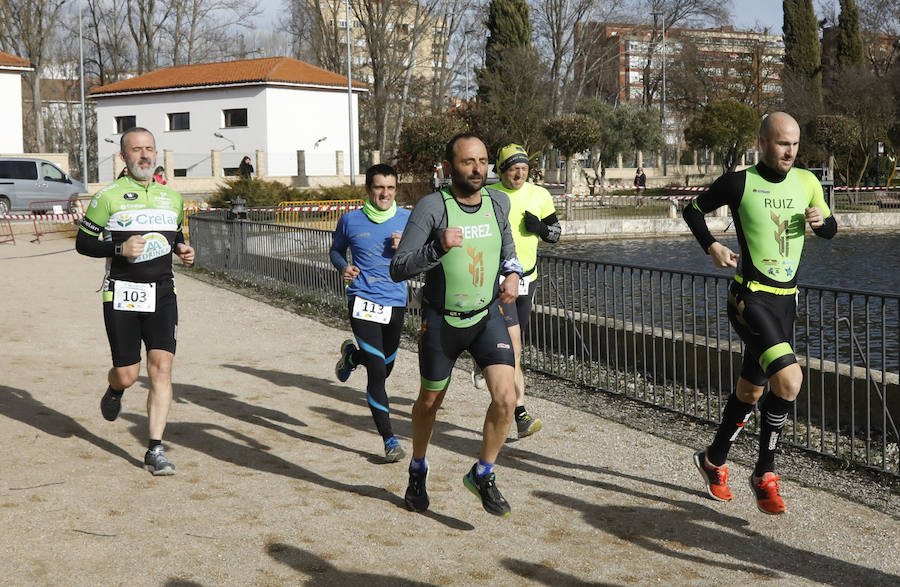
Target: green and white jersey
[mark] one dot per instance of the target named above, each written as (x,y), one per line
(126,208)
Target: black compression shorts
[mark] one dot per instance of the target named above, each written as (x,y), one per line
(441,344)
(519,312)
(125,330)
(765,322)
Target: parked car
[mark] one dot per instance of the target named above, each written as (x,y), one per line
(25,181)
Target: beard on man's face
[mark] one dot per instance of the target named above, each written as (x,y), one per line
(469,184)
(141,173)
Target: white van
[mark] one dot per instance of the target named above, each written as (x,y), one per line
(25,181)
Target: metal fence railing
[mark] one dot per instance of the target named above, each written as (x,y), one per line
(657,336)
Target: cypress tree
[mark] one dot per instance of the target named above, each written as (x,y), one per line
(509,27)
(802,55)
(849,42)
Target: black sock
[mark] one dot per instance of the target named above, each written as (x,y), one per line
(153,444)
(773,414)
(519,411)
(115,392)
(734,417)
(357,358)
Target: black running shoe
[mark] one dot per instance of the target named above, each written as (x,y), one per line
(416,497)
(485,488)
(111,404)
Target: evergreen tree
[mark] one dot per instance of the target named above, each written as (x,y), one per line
(802,60)
(849,42)
(509,27)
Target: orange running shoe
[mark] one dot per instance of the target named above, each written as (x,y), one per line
(768,500)
(716,478)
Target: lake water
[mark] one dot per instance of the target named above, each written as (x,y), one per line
(853,260)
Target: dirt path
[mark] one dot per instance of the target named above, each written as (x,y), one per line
(280,480)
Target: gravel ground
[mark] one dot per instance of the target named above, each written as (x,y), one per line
(281,479)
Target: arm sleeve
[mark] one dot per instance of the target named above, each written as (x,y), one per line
(817,199)
(91,246)
(339,244)
(509,260)
(419,248)
(718,195)
(548,217)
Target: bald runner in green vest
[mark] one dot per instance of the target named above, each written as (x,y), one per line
(771,203)
(532,219)
(460,238)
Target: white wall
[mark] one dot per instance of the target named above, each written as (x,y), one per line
(192,147)
(298,118)
(280,121)
(11,107)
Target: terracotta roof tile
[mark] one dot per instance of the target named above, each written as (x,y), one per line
(12,61)
(246,71)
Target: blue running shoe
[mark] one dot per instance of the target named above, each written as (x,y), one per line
(343,368)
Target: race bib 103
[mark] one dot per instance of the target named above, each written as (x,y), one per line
(134,297)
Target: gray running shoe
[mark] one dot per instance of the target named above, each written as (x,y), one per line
(111,404)
(485,488)
(156,462)
(478,378)
(393,452)
(526,425)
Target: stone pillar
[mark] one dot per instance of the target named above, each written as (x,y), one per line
(301,167)
(640,158)
(743,158)
(118,165)
(261,167)
(696,158)
(618,160)
(169,163)
(659,161)
(215,163)
(339,163)
(755,157)
(376,157)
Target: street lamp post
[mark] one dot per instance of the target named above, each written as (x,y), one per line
(466,36)
(350,148)
(662,113)
(84,162)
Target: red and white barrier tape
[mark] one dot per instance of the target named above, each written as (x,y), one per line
(685,188)
(41,216)
(600,197)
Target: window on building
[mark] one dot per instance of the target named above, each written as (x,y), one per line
(179,121)
(235,117)
(179,172)
(123,123)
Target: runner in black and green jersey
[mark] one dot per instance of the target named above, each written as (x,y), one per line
(136,224)
(771,203)
(461,239)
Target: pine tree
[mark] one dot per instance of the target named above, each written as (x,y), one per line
(849,42)
(802,59)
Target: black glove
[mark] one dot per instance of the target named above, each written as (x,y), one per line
(534,225)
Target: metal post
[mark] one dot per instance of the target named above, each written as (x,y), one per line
(466,37)
(350,148)
(84,162)
(665,136)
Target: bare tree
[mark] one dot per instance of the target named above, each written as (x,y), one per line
(663,16)
(108,55)
(556,22)
(28,27)
(145,21)
(880,23)
(206,30)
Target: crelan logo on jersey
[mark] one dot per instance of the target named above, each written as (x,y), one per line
(124,220)
(147,219)
(477,266)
